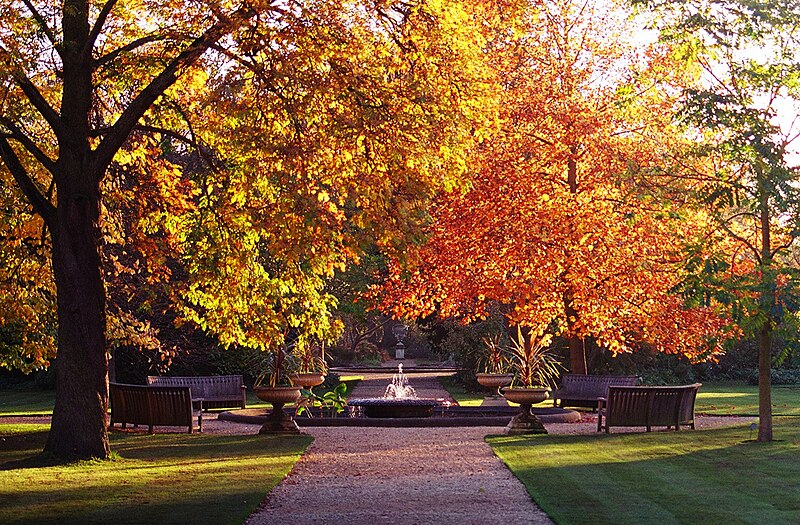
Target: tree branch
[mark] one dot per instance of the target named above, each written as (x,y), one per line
(137,108)
(42,24)
(20,136)
(124,49)
(784,246)
(98,27)
(40,204)
(32,93)
(747,244)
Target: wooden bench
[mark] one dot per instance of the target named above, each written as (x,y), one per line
(151,406)
(214,391)
(580,390)
(647,406)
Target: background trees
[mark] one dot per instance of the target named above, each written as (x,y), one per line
(744,113)
(312,128)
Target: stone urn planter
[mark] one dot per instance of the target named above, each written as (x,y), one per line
(526,421)
(277,397)
(307,380)
(494,381)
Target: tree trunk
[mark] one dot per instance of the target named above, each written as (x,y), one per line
(767,302)
(765,382)
(79,425)
(577,349)
(577,355)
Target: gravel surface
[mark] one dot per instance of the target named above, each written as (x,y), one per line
(408,476)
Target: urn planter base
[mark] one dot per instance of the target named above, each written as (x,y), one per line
(525,423)
(277,421)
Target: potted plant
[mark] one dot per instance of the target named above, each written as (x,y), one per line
(494,364)
(535,369)
(311,366)
(278,392)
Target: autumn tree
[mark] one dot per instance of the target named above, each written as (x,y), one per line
(553,226)
(322,127)
(743,114)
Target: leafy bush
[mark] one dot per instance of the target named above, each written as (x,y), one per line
(780,376)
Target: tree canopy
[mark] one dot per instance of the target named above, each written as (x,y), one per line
(237,153)
(555,225)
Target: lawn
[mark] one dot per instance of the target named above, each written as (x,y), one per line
(701,476)
(740,399)
(26,402)
(164,478)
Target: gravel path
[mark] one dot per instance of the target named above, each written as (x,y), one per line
(407,476)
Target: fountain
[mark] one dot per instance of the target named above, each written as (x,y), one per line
(399,400)
(399,387)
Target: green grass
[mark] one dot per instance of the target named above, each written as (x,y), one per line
(701,476)
(164,478)
(457,392)
(26,402)
(740,399)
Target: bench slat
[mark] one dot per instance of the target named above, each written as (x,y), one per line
(583,390)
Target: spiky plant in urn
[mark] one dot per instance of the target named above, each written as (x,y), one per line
(311,365)
(493,364)
(273,386)
(535,370)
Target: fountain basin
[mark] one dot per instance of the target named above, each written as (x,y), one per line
(395,408)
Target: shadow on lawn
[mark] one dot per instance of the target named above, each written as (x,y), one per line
(23,450)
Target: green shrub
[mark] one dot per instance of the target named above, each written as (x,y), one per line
(780,376)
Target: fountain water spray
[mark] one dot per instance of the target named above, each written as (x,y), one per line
(399,387)
(399,400)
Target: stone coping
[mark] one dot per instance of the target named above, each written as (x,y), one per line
(463,417)
(387,370)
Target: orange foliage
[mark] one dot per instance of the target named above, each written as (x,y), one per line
(553,225)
